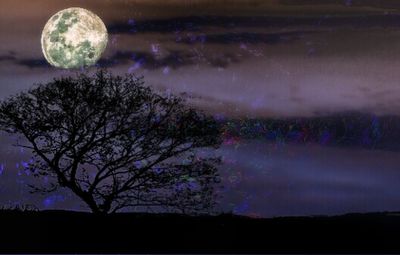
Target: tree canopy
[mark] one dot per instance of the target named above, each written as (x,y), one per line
(116,143)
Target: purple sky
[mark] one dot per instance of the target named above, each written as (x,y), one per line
(258,59)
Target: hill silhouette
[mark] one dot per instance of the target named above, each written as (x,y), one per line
(80,232)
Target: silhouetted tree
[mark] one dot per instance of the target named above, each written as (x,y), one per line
(116,143)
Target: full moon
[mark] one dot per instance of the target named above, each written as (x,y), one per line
(74,38)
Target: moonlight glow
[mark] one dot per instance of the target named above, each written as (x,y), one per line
(74,38)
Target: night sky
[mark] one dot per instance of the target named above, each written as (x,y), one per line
(308,89)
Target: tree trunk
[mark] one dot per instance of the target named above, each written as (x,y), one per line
(89,200)
(93,205)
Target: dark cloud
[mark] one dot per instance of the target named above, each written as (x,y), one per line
(33,63)
(146,60)
(384,4)
(349,129)
(173,59)
(168,25)
(9,56)
(6,58)
(195,24)
(118,58)
(198,23)
(246,37)
(142,59)
(27,62)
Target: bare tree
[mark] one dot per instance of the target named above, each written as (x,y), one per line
(116,143)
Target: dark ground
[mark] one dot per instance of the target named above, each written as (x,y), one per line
(73,232)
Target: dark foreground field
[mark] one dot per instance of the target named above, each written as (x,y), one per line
(72,232)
